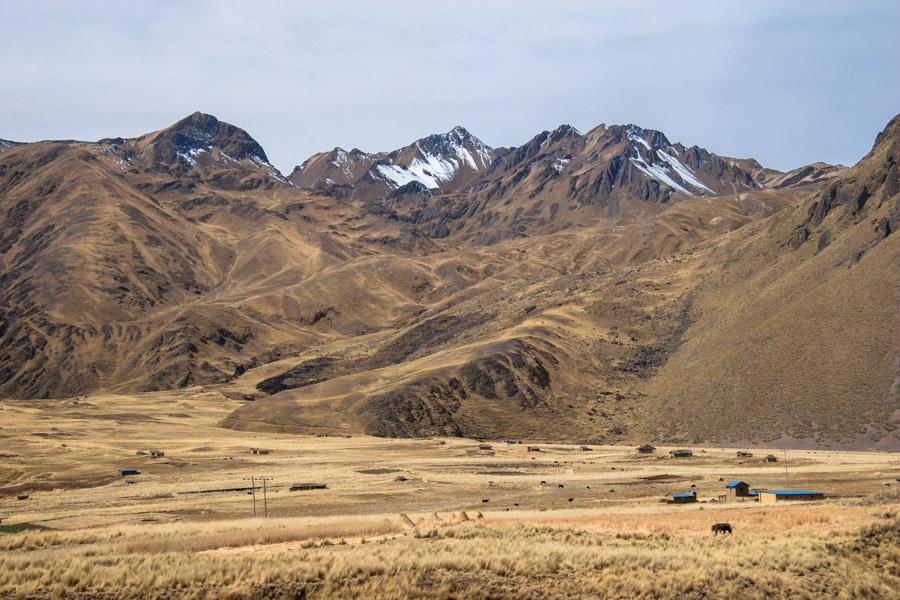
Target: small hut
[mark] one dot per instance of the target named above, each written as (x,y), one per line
(586,449)
(683,497)
(533,449)
(128,471)
(308,486)
(260,451)
(157,454)
(681,453)
(738,489)
(485,447)
(646,449)
(770,458)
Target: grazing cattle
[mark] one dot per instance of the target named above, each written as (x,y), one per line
(722,528)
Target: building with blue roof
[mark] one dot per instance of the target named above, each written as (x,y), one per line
(738,489)
(684,497)
(769,496)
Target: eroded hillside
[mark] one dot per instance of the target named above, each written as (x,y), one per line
(606,286)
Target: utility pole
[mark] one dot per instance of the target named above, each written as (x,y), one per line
(254,479)
(265,496)
(252,491)
(787,483)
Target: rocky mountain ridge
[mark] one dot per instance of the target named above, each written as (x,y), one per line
(576,287)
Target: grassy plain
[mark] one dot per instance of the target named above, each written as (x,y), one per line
(413,518)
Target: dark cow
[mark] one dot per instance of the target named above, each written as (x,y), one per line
(722,528)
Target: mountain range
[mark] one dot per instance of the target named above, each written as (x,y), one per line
(602,286)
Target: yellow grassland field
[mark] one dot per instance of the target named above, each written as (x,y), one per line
(407,518)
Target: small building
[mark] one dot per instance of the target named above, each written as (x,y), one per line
(260,451)
(513,442)
(485,447)
(682,453)
(770,458)
(533,449)
(770,496)
(157,454)
(308,486)
(744,454)
(586,449)
(683,497)
(738,489)
(646,449)
(129,471)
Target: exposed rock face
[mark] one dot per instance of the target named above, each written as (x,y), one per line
(200,133)
(601,168)
(875,179)
(443,161)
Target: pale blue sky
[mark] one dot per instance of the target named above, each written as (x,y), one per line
(785,82)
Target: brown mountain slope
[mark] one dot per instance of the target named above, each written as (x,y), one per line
(593,287)
(745,337)
(123,261)
(799,333)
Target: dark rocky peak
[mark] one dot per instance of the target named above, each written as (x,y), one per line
(649,138)
(199,133)
(563,138)
(887,142)
(456,145)
(344,159)
(563,133)
(458,135)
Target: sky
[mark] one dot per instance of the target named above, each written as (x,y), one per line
(787,83)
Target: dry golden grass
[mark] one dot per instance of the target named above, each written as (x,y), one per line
(104,538)
(473,560)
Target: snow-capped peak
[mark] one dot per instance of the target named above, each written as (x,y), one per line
(438,159)
(659,160)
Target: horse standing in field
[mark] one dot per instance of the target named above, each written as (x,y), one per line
(722,528)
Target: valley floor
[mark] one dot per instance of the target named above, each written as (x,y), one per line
(413,518)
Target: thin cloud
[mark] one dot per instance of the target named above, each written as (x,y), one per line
(787,84)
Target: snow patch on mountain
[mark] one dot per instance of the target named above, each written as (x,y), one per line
(657,172)
(560,163)
(190,155)
(670,170)
(634,137)
(438,159)
(397,175)
(684,172)
(270,169)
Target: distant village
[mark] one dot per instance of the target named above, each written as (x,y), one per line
(733,491)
